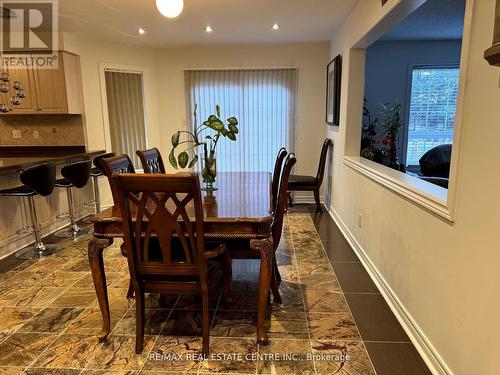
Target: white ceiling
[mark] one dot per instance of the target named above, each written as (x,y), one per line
(233,21)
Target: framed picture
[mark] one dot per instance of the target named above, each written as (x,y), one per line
(333,79)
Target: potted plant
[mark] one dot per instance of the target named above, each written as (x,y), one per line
(228,129)
(391,123)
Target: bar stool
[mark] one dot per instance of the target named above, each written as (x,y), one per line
(75,175)
(37,180)
(95,173)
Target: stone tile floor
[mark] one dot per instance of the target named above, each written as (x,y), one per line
(49,316)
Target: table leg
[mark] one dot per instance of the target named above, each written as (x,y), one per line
(96,247)
(265,250)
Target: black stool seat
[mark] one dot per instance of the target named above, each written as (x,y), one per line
(63,182)
(38,180)
(300,181)
(95,172)
(19,191)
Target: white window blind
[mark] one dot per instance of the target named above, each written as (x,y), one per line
(124,93)
(433,104)
(264,103)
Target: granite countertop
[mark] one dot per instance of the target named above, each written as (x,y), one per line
(16,158)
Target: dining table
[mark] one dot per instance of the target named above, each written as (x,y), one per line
(240,209)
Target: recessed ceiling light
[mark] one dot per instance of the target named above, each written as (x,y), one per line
(208,29)
(276,26)
(170,8)
(141,31)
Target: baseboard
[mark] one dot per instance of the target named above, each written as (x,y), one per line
(21,241)
(427,351)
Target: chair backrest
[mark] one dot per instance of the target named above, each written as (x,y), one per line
(322,160)
(77,173)
(41,178)
(97,160)
(151,160)
(279,213)
(155,210)
(115,164)
(278,166)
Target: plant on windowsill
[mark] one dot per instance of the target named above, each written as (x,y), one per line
(229,129)
(391,123)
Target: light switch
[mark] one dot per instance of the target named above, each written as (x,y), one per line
(16,133)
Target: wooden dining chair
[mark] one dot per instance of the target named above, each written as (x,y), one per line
(117,164)
(120,163)
(151,160)
(278,166)
(310,183)
(166,251)
(240,249)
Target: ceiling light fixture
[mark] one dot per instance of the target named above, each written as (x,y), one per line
(276,26)
(170,8)
(208,29)
(141,31)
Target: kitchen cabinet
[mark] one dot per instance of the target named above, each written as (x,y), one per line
(50,91)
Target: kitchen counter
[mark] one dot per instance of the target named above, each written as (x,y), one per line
(17,158)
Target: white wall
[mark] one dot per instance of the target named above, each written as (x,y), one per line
(445,275)
(165,91)
(309,58)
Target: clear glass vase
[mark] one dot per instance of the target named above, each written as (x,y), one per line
(209,172)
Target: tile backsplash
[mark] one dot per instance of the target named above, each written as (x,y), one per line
(41,130)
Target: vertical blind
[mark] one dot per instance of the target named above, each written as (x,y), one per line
(124,92)
(263,101)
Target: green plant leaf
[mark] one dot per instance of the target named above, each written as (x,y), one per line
(216,125)
(232,121)
(231,136)
(217,110)
(208,137)
(183,159)
(233,129)
(193,162)
(172,160)
(212,118)
(175,139)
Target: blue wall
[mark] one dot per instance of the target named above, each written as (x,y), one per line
(388,66)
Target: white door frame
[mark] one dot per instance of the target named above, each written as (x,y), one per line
(103,67)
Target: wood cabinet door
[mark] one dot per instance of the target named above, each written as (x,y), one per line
(50,88)
(26,78)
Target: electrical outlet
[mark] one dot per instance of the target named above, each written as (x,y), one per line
(36,134)
(360,221)
(16,134)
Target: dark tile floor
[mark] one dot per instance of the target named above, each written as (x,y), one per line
(49,316)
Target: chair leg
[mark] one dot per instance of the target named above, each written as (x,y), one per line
(139,319)
(274,287)
(290,200)
(316,198)
(228,275)
(206,324)
(277,272)
(130,291)
(97,200)
(72,216)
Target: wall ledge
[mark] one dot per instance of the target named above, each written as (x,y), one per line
(423,345)
(424,194)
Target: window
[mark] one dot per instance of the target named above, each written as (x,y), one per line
(433,102)
(264,103)
(127,126)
